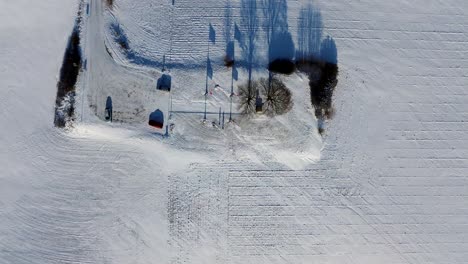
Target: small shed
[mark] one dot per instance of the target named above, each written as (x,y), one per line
(156,119)
(164,83)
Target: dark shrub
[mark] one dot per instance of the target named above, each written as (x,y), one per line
(64,102)
(120,36)
(328,82)
(284,66)
(322,81)
(321,90)
(70,66)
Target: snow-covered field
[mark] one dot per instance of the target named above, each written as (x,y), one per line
(388,182)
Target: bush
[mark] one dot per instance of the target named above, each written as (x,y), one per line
(284,66)
(278,98)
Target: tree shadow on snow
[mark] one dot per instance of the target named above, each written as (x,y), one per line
(134,57)
(249,23)
(318,57)
(328,51)
(309,33)
(280,44)
(311,45)
(279,40)
(230,47)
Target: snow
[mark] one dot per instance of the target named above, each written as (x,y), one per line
(387,183)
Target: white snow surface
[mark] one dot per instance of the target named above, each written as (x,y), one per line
(388,182)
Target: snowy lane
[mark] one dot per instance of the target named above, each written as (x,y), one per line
(133,91)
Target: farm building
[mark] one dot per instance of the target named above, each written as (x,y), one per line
(156,119)
(164,83)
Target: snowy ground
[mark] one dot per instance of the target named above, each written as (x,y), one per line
(388,183)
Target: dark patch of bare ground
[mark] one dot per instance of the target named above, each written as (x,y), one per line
(71,65)
(322,81)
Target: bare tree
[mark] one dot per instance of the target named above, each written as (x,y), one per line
(248,96)
(277,96)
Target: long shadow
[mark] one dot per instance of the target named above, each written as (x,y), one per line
(212,34)
(309,33)
(249,22)
(136,58)
(212,40)
(229,57)
(209,68)
(120,37)
(279,40)
(328,51)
